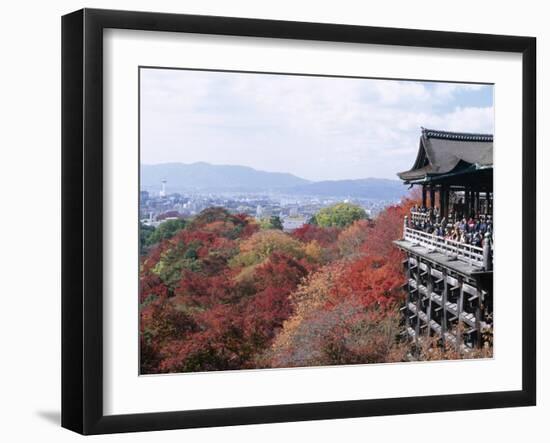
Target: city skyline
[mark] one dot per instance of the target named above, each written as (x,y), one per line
(317,128)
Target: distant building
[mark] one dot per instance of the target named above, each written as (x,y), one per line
(292,223)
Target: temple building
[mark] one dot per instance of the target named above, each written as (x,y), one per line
(448,240)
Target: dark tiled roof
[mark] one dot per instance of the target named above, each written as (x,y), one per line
(440,152)
(461,136)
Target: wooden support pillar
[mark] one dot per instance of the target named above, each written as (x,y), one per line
(432,197)
(444,304)
(479,202)
(459,311)
(423,196)
(479,341)
(429,288)
(408,298)
(441,199)
(418,300)
(445,211)
(472,203)
(487,253)
(466,202)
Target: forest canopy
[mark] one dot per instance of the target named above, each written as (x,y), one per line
(224,291)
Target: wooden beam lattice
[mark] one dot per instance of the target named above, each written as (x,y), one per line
(444,304)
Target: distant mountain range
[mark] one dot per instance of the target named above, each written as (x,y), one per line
(205,177)
(379,188)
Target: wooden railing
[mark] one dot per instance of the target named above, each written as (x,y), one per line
(480,257)
(426,215)
(417,216)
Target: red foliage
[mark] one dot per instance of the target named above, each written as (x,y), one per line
(217,345)
(205,291)
(152,258)
(160,322)
(280,271)
(151,285)
(388,227)
(372,281)
(323,236)
(264,313)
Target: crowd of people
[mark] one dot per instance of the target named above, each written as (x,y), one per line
(469,230)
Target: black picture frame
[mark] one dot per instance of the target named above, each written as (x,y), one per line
(82,215)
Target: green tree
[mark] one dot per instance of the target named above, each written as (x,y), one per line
(165,230)
(145,232)
(273,222)
(339,215)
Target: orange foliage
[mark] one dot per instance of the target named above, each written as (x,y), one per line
(352,238)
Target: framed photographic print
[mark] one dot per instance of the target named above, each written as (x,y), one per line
(268,221)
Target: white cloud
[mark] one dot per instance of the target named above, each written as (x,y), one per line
(445,91)
(392,92)
(471,119)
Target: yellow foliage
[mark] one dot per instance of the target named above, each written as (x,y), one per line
(353,237)
(308,299)
(313,251)
(262,244)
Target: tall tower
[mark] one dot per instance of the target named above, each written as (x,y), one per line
(163,188)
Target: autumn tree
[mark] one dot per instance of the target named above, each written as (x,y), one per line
(351,240)
(199,313)
(325,236)
(231,330)
(262,244)
(165,231)
(387,227)
(320,243)
(328,330)
(371,281)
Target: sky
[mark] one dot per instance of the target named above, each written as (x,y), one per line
(318,128)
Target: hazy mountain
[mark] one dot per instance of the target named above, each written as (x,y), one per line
(201,176)
(379,188)
(205,176)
